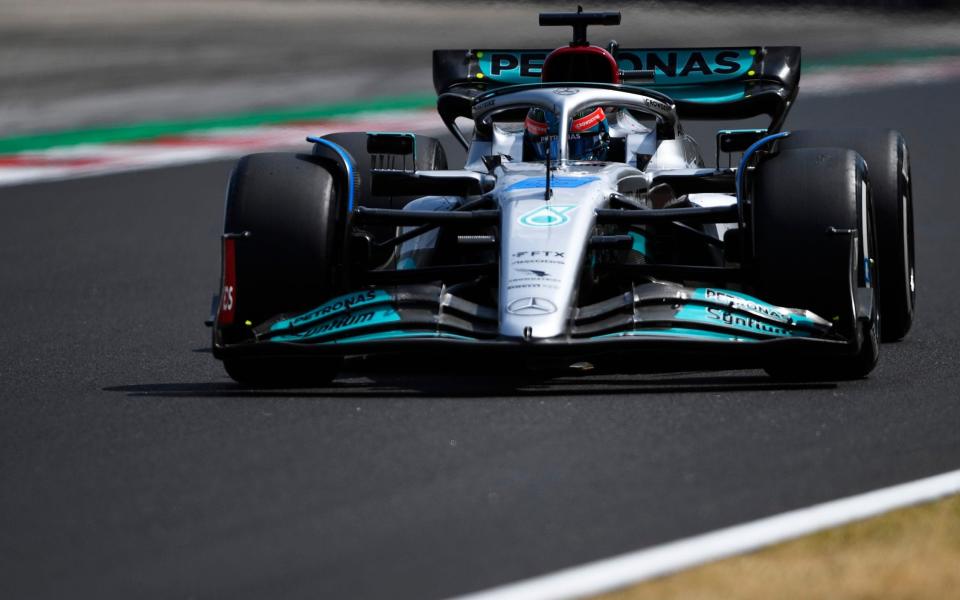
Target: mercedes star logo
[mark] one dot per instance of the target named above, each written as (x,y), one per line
(531,306)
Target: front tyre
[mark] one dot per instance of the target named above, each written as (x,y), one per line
(815,249)
(284,217)
(888,164)
(285,372)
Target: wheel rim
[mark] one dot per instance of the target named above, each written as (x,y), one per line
(908,239)
(871,270)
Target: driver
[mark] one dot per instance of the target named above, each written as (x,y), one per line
(588,137)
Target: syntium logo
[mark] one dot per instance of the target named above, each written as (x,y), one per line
(744,322)
(344,322)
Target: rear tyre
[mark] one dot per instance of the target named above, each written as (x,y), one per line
(888,164)
(815,248)
(285,207)
(430,156)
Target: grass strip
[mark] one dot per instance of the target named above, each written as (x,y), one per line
(154,129)
(908,553)
(870,58)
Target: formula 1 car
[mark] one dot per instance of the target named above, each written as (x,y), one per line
(584,225)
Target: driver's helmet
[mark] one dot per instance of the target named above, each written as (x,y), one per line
(588,136)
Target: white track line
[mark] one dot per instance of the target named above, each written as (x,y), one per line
(627,569)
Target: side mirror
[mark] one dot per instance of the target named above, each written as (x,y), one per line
(403,144)
(643,76)
(738,140)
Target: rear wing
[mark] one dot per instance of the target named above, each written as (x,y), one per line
(705,83)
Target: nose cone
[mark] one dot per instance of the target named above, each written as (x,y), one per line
(543,249)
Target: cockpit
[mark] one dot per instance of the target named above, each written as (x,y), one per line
(564,122)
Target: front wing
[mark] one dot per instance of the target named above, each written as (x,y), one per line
(656,318)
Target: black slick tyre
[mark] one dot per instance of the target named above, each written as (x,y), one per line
(284,213)
(429,156)
(814,249)
(888,165)
(282,372)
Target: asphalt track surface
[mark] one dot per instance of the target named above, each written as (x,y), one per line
(130,466)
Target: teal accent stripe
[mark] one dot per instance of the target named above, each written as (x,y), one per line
(680,332)
(347,322)
(389,335)
(336,306)
(704,94)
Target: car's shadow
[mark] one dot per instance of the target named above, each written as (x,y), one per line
(401,381)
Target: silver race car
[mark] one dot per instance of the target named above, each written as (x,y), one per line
(584,225)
